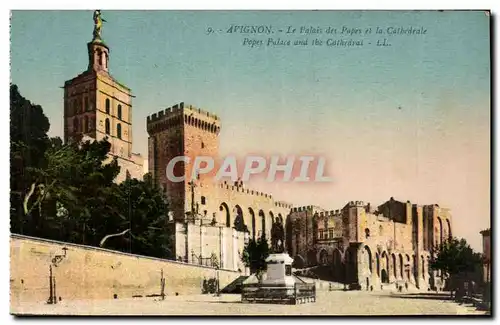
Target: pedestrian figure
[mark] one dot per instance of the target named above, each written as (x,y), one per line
(204,289)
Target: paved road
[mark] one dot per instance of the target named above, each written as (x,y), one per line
(328,303)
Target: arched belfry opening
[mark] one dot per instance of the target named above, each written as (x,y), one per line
(98,56)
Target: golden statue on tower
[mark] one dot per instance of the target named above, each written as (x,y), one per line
(97,24)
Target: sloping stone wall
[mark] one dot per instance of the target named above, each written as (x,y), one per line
(84,272)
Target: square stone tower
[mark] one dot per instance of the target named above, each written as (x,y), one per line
(181,130)
(97,106)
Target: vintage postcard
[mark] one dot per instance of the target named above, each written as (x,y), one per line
(250,163)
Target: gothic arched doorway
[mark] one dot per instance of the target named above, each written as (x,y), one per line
(338,274)
(262,217)
(368,258)
(323,257)
(239,220)
(252,214)
(384,277)
(408,266)
(377,257)
(226,215)
(440,230)
(394,266)
(401,266)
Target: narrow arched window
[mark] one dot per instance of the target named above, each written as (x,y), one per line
(108,105)
(107,126)
(119,112)
(104,60)
(119,131)
(86,127)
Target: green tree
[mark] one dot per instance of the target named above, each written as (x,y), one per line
(457,261)
(143,212)
(78,179)
(255,254)
(28,142)
(92,173)
(67,191)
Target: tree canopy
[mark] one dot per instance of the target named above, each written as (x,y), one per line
(455,257)
(66,191)
(255,254)
(142,210)
(28,142)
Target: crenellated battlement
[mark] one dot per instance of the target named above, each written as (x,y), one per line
(180,114)
(282,204)
(179,109)
(303,208)
(244,190)
(334,213)
(241,189)
(356,204)
(331,213)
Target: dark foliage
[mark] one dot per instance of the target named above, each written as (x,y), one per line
(67,192)
(255,254)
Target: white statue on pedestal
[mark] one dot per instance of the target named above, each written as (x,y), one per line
(279,271)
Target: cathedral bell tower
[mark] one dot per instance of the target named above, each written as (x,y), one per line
(96,105)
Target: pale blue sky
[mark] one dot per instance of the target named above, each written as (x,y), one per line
(340,102)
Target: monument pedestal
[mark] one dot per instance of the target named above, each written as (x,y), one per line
(279,285)
(279,271)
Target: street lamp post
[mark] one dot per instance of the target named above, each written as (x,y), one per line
(162,286)
(217,292)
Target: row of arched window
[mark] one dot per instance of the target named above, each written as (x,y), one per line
(76,106)
(86,124)
(118,110)
(107,126)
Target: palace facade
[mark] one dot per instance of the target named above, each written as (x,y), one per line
(368,246)
(210,222)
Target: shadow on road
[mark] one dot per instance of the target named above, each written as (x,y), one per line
(215,302)
(424,296)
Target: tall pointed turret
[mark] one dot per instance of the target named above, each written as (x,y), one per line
(98,50)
